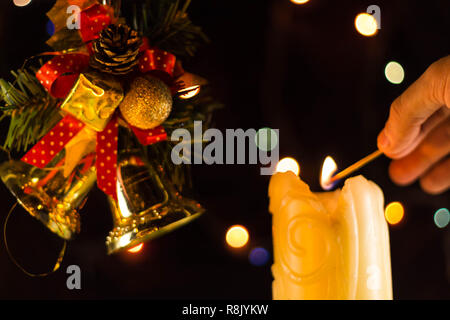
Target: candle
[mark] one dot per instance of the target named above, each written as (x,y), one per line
(329,245)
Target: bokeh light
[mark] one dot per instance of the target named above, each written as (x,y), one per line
(288,164)
(50,28)
(394,72)
(237,236)
(258,256)
(21,3)
(266,139)
(442,217)
(366,24)
(394,212)
(136,249)
(299,1)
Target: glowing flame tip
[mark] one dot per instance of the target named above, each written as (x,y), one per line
(329,167)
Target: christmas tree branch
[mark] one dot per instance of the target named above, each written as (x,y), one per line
(31,109)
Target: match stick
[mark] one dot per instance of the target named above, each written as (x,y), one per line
(355,166)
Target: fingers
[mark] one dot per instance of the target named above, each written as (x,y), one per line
(437,180)
(424,104)
(432,149)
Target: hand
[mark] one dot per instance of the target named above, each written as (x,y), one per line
(417,132)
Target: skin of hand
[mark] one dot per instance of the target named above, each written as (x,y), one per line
(417,133)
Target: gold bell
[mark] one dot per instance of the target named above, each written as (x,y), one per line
(48,194)
(148,204)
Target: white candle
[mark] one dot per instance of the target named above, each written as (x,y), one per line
(330,245)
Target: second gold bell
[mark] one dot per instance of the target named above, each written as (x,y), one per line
(148,204)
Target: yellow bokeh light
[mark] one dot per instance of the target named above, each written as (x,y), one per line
(366,24)
(22,3)
(237,236)
(288,164)
(394,72)
(299,1)
(136,249)
(394,212)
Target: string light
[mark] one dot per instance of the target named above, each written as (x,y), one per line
(21,3)
(288,164)
(442,217)
(237,236)
(299,1)
(190,92)
(366,24)
(394,72)
(136,249)
(394,212)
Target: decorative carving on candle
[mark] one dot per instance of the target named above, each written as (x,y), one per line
(330,245)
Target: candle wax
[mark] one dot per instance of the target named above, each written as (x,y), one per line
(329,245)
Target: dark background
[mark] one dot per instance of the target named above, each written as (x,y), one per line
(300,68)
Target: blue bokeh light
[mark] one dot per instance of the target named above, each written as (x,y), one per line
(50,28)
(259,256)
(442,217)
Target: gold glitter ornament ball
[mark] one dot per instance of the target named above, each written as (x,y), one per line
(147,104)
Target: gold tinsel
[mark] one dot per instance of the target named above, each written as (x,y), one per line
(147,104)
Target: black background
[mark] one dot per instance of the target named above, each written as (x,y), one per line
(300,68)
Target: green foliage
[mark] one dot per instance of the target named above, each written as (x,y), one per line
(167,25)
(185,112)
(183,115)
(31,109)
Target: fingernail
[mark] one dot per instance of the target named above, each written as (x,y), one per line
(383,141)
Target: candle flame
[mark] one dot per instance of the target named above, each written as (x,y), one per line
(136,249)
(329,167)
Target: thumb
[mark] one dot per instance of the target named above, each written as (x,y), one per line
(417,110)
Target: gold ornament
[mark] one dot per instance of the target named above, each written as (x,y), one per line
(147,104)
(93,99)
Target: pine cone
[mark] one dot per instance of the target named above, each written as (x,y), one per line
(116,50)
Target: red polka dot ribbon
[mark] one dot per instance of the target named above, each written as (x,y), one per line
(53,142)
(155,59)
(106,149)
(92,21)
(150,136)
(59,74)
(107,158)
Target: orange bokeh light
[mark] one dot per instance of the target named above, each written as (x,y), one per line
(366,24)
(394,212)
(288,164)
(237,236)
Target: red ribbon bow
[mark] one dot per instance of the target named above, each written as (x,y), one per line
(58,77)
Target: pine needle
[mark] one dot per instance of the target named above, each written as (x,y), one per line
(31,109)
